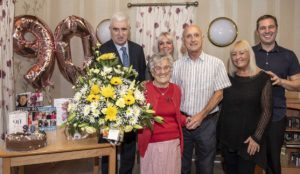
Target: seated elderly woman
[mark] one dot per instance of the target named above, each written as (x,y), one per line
(161,148)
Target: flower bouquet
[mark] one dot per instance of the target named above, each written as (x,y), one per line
(107,99)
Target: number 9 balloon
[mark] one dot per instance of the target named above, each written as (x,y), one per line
(42,47)
(66,29)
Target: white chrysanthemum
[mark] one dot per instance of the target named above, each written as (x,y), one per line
(103,74)
(77,96)
(133,120)
(86,110)
(129,112)
(94,80)
(136,111)
(71,106)
(138,95)
(107,70)
(92,119)
(123,90)
(94,105)
(101,121)
(95,112)
(84,89)
(102,98)
(119,121)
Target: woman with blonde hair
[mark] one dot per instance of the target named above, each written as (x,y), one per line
(246,111)
(165,44)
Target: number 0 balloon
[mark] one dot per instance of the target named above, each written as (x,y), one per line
(66,29)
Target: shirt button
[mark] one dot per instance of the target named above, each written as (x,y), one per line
(267,63)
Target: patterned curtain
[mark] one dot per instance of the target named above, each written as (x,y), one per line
(151,21)
(7,92)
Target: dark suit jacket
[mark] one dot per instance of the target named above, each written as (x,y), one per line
(136,56)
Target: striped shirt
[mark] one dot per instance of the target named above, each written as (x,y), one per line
(198,80)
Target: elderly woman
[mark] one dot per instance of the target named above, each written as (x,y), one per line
(165,44)
(246,111)
(161,148)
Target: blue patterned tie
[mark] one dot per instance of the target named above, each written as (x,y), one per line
(125,57)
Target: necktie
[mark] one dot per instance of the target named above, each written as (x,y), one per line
(125,57)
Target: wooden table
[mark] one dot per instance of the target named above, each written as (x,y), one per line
(59,149)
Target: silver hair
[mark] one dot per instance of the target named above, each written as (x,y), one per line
(157,58)
(237,46)
(120,16)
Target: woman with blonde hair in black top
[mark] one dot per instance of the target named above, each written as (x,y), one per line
(245,114)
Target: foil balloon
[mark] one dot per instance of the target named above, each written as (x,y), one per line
(65,30)
(40,46)
(102,31)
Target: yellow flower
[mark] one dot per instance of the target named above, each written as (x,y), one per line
(107,56)
(95,89)
(116,81)
(107,91)
(130,92)
(111,113)
(129,99)
(93,98)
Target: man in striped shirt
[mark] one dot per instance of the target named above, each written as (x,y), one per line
(202,79)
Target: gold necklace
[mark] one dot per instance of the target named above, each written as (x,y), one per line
(161,92)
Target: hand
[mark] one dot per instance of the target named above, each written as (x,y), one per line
(274,78)
(194,122)
(188,119)
(253,147)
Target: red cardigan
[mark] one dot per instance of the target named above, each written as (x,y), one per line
(144,135)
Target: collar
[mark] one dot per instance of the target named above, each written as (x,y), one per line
(275,49)
(120,46)
(200,58)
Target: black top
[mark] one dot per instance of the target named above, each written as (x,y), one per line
(283,63)
(246,111)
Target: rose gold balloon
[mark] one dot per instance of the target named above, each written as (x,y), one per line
(65,30)
(41,46)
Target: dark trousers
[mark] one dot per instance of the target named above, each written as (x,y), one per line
(127,154)
(235,164)
(203,139)
(275,138)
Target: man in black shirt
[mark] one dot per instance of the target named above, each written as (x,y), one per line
(283,67)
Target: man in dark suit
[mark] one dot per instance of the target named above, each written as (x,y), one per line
(121,46)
